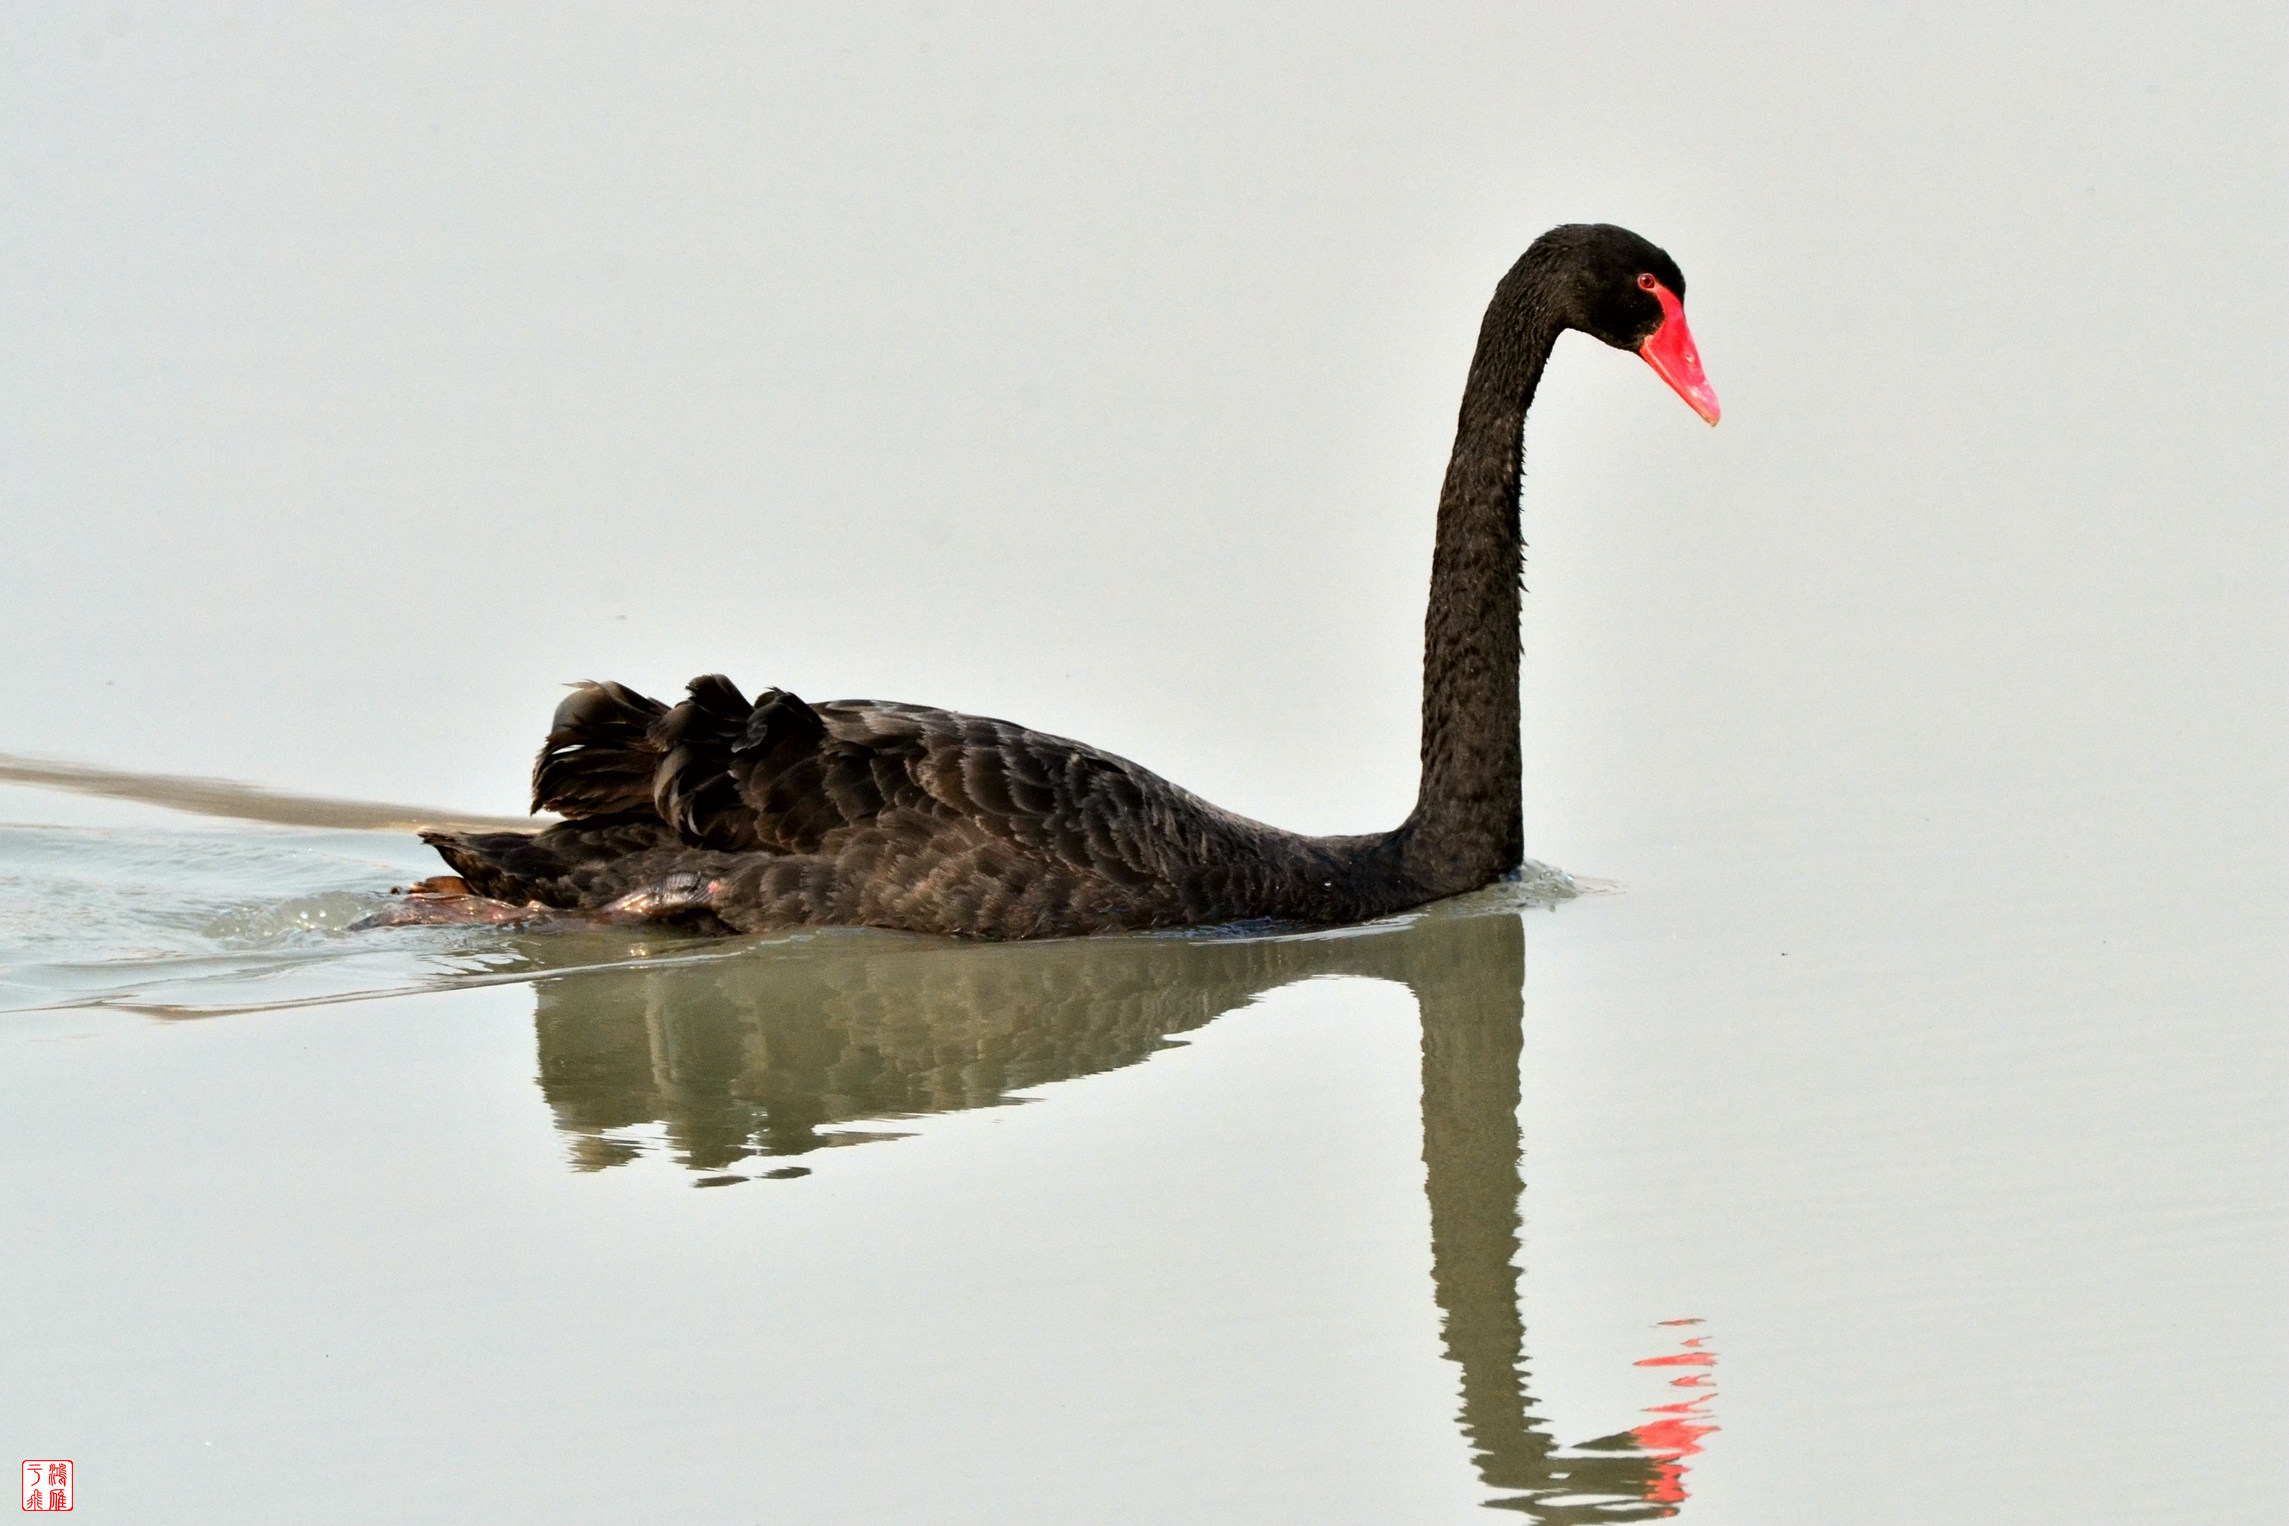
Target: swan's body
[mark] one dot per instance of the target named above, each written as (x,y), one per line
(856,813)
(778,813)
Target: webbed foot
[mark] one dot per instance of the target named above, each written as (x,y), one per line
(446,901)
(681,894)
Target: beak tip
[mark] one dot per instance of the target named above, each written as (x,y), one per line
(1669,350)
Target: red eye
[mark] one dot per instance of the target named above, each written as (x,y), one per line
(1647,282)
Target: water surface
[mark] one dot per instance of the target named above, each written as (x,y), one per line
(374,373)
(714,1064)
(1711,1200)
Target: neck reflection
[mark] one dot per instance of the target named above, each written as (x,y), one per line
(743,1063)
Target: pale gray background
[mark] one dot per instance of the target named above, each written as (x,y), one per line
(373,372)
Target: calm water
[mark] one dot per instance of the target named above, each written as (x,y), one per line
(1897,1131)
(1726,1200)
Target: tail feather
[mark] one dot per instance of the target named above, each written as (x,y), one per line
(692,787)
(574,865)
(599,758)
(611,753)
(502,865)
(711,746)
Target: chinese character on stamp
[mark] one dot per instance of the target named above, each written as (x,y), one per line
(48,1484)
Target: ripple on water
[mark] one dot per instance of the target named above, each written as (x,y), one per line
(205,920)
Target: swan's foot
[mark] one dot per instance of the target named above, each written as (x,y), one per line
(685,893)
(446,901)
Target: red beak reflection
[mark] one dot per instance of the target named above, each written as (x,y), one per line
(1670,351)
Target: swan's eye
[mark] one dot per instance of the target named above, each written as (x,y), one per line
(1647,282)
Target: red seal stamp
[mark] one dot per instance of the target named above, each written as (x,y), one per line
(48,1484)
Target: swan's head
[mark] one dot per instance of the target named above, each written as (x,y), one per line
(1625,290)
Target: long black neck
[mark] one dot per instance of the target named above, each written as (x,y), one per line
(1467,827)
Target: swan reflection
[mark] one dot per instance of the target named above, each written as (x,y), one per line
(830,1041)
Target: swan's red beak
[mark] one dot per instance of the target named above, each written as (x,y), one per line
(1669,350)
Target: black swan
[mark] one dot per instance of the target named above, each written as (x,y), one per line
(773,813)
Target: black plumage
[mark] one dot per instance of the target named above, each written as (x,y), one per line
(776,813)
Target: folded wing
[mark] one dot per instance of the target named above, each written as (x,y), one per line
(779,775)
